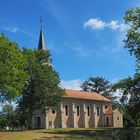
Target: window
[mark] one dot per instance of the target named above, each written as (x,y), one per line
(78,111)
(98,111)
(53,111)
(88,111)
(66,110)
(106,107)
(107,121)
(118,118)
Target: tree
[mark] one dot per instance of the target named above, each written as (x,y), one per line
(3,120)
(8,117)
(99,85)
(132,40)
(12,74)
(42,90)
(130,88)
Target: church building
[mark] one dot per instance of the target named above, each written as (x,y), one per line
(79,109)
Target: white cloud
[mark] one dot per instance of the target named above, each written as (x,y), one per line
(114,24)
(71,84)
(96,23)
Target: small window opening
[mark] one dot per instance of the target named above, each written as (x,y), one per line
(78,111)
(53,111)
(88,111)
(98,111)
(66,110)
(106,107)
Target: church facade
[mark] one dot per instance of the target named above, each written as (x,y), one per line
(79,109)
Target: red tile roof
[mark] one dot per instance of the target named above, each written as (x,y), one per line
(109,112)
(77,94)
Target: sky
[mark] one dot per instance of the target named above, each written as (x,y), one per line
(83,36)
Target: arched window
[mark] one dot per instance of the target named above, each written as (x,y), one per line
(98,111)
(107,121)
(88,111)
(78,111)
(66,110)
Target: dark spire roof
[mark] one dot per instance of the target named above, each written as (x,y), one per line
(41,43)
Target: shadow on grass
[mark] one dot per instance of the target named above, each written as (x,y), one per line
(106,134)
(77,135)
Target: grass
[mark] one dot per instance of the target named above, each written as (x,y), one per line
(72,134)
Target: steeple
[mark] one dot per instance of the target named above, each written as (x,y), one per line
(41,43)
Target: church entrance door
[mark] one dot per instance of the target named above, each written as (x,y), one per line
(38,122)
(107,121)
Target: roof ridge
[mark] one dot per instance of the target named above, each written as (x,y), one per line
(79,94)
(83,91)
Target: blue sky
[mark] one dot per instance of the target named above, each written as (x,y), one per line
(84,36)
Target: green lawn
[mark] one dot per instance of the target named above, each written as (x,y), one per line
(72,134)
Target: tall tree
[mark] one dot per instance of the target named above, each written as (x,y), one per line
(42,90)
(132,40)
(8,117)
(99,85)
(12,74)
(130,89)
(131,86)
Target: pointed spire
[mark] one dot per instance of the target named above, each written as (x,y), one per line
(41,43)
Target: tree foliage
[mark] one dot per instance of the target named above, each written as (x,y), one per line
(132,40)
(8,117)
(130,88)
(12,64)
(28,76)
(99,85)
(42,90)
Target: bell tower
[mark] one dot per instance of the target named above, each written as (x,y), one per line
(41,42)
